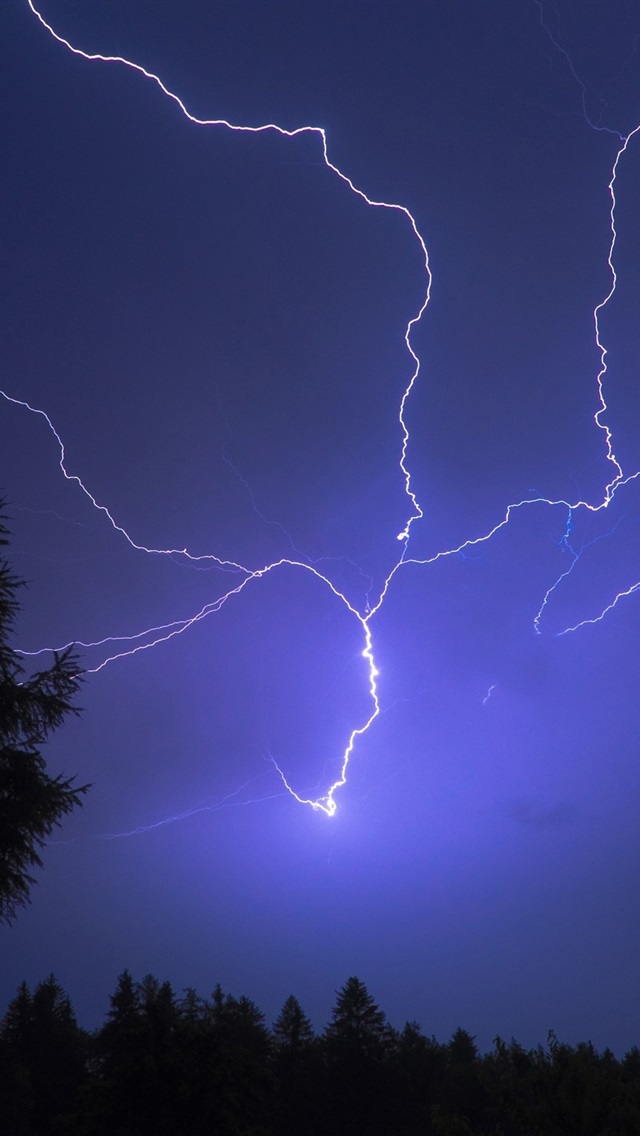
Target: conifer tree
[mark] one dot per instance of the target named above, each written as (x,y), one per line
(31,707)
(358,1026)
(292,1030)
(43,1051)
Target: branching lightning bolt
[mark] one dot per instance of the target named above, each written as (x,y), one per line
(116,648)
(151,637)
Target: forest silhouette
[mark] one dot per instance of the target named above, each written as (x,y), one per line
(190,1066)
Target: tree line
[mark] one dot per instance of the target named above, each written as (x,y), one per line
(163,1065)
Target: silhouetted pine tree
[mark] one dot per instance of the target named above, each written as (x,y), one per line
(358,1045)
(43,1054)
(292,1030)
(31,707)
(298,1072)
(16,1085)
(421,1065)
(240,1064)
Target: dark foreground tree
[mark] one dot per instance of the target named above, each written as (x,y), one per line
(31,802)
(358,1030)
(292,1031)
(298,1073)
(361,1084)
(42,1061)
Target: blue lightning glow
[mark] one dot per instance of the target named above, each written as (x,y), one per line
(121,647)
(575,558)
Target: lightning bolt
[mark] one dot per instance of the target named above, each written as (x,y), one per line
(127,646)
(116,648)
(230,800)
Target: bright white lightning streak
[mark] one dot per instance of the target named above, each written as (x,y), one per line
(597,618)
(321,133)
(611,487)
(168,631)
(618,479)
(326,803)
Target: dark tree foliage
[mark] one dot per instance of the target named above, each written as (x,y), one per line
(239,1062)
(421,1068)
(292,1030)
(42,1061)
(463,1089)
(31,707)
(358,1045)
(358,1028)
(190,1066)
(297,1071)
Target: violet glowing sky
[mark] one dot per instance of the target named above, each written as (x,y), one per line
(323,439)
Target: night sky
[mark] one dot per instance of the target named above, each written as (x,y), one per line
(214,323)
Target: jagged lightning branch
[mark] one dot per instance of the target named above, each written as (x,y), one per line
(151,637)
(575,559)
(230,800)
(597,124)
(298,131)
(164,633)
(599,308)
(229,565)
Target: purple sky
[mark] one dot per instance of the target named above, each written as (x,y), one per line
(214,323)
